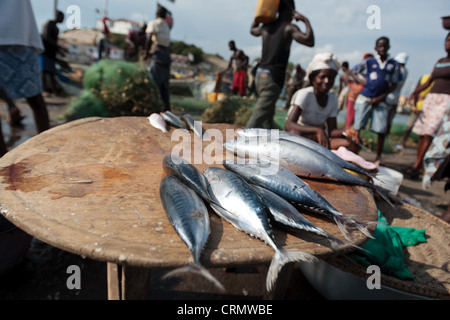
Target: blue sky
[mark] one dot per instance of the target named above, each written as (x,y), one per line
(340,26)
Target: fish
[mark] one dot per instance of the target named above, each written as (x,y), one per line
(188,174)
(190,123)
(301,160)
(173,120)
(285,214)
(284,135)
(246,212)
(189,217)
(157,121)
(292,188)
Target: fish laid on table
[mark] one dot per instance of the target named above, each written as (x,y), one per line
(190,123)
(285,214)
(301,160)
(245,211)
(187,173)
(157,121)
(284,135)
(173,120)
(189,217)
(292,188)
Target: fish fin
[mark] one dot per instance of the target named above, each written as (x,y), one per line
(197,269)
(280,258)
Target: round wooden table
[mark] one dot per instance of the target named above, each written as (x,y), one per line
(91,187)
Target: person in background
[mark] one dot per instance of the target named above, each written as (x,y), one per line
(435,106)
(344,80)
(101,40)
(416,108)
(381,76)
(295,83)
(50,35)
(393,98)
(239,85)
(15,115)
(20,44)
(158,41)
(277,38)
(136,39)
(314,109)
(354,88)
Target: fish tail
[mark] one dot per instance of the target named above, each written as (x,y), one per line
(280,258)
(342,223)
(361,226)
(337,244)
(197,269)
(385,195)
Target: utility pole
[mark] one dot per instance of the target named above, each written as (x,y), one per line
(105,9)
(55,7)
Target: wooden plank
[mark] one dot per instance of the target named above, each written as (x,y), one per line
(114,273)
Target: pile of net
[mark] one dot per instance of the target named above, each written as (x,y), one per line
(233,110)
(115,88)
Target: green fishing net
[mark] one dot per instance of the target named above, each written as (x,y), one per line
(234,110)
(115,88)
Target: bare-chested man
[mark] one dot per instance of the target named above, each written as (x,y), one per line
(240,74)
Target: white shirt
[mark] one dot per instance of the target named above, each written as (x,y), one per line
(160,30)
(18,25)
(312,113)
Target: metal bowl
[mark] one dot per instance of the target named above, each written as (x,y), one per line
(336,284)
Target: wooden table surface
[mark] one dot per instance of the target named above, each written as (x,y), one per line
(91,187)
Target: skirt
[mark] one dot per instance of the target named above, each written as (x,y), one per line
(433,111)
(21,74)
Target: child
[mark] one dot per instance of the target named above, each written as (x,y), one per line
(381,76)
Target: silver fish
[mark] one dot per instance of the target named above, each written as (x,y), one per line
(299,159)
(193,125)
(245,211)
(284,135)
(173,120)
(189,217)
(157,121)
(290,187)
(187,173)
(284,213)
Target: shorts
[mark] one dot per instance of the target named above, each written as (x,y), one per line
(20,76)
(434,108)
(365,112)
(239,82)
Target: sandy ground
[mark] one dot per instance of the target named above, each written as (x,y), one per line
(42,274)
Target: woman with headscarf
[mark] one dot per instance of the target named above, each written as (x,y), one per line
(314,109)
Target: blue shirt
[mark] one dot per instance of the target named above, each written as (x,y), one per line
(379,75)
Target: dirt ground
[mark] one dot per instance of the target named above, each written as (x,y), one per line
(42,274)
